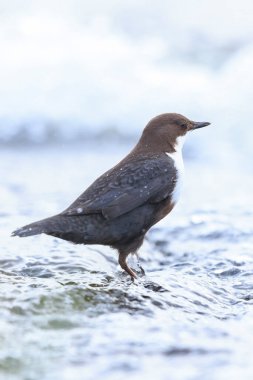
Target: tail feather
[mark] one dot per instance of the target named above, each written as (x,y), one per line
(67,228)
(31,229)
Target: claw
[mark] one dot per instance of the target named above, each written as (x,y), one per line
(139,265)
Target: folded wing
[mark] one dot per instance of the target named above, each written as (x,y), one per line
(127,186)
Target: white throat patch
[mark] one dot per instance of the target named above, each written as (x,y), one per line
(179,165)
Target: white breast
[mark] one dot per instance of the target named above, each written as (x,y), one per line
(179,165)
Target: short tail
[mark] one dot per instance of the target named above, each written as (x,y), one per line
(60,226)
(36,228)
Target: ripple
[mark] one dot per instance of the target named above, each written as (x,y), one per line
(230,272)
(68,310)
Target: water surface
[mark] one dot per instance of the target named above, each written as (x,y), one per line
(68,312)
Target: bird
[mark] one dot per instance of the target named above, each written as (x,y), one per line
(121,205)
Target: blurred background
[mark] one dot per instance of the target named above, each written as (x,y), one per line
(78,82)
(75,69)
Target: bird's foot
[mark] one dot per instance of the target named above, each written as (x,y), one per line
(123,264)
(139,265)
(142,270)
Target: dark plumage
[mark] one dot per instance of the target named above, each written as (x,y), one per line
(121,205)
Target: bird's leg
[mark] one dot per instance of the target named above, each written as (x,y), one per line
(139,264)
(123,264)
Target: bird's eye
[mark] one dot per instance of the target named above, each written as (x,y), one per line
(183,125)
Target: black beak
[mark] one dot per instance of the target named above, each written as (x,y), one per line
(199,124)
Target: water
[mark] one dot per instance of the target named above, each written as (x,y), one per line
(68,312)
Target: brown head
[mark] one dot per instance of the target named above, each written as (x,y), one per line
(164,132)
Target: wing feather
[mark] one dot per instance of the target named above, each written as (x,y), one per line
(127,186)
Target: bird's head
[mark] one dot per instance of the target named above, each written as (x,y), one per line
(167,131)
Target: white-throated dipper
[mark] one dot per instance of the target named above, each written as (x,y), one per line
(122,204)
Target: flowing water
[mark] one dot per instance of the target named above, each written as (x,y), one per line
(68,312)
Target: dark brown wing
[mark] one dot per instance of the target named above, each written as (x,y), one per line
(128,185)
